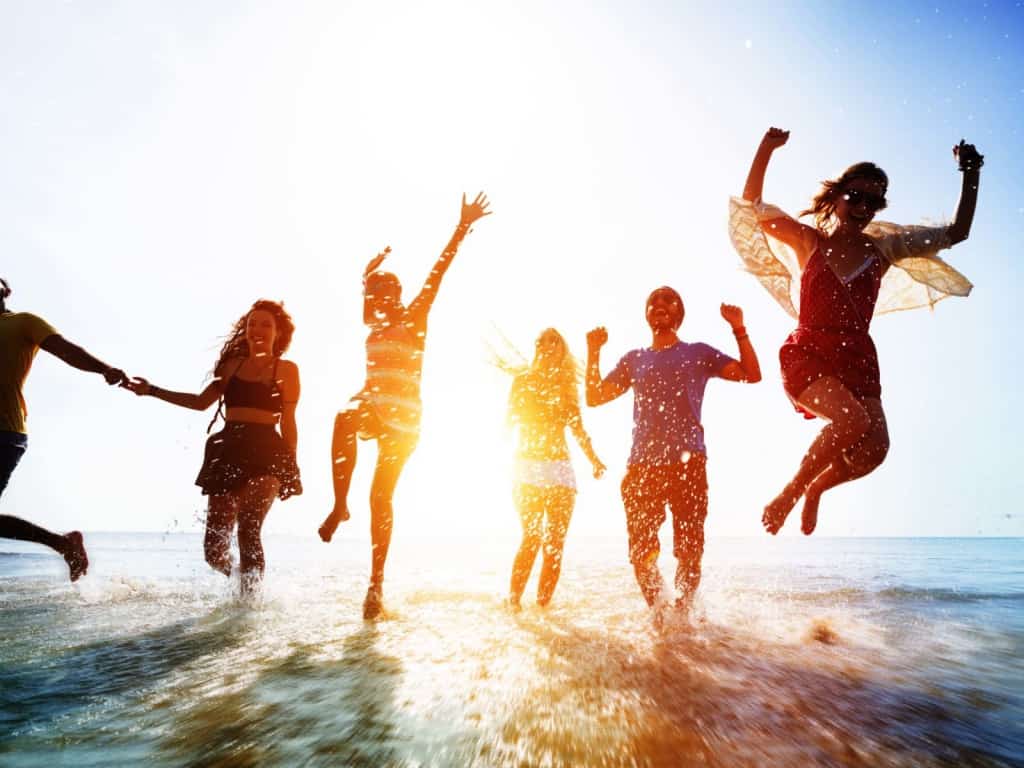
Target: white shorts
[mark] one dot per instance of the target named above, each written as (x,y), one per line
(545,474)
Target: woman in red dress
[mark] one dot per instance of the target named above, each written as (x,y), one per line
(850,268)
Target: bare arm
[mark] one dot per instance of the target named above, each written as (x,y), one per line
(748,369)
(76,357)
(471,212)
(789,231)
(583,439)
(970,165)
(599,391)
(196,402)
(290,390)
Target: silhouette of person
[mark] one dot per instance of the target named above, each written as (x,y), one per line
(248,463)
(544,400)
(22,334)
(387,409)
(849,267)
(668,461)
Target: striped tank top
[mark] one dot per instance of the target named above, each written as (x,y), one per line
(394,364)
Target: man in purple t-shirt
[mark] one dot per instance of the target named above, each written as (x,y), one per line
(667,464)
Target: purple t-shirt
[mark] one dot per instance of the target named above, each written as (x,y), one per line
(668,390)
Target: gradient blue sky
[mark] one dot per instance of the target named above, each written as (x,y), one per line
(166,164)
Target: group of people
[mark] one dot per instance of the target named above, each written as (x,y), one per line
(833,277)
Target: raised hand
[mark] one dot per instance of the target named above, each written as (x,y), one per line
(138,385)
(968,156)
(597,338)
(376,261)
(733,315)
(775,138)
(475,210)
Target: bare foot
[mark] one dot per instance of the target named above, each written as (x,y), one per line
(809,516)
(74,555)
(775,514)
(338,516)
(373,605)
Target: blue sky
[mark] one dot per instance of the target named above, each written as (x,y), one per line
(163,166)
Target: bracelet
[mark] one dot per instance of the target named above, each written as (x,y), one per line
(970,165)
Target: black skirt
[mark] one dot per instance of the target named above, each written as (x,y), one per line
(244,450)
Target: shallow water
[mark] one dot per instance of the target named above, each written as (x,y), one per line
(826,652)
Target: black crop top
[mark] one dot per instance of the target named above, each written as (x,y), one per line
(239,393)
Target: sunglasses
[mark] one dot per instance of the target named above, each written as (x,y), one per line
(870,199)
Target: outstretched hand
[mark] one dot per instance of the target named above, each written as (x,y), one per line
(597,338)
(475,210)
(775,138)
(376,261)
(733,315)
(968,156)
(138,385)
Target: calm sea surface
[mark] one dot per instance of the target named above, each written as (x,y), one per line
(869,652)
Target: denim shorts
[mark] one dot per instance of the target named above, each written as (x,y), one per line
(12,448)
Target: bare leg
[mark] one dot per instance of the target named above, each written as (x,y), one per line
(560,503)
(343,464)
(69,545)
(848,420)
(530,503)
(862,459)
(220,521)
(391,458)
(255,502)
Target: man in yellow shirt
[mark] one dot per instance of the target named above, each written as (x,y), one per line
(21,335)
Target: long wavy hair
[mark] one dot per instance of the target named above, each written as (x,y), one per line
(235,344)
(559,381)
(823,204)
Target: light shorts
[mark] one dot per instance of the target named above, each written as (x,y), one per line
(545,474)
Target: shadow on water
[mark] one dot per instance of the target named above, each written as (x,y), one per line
(32,696)
(305,707)
(710,697)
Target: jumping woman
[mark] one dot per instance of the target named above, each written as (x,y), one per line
(387,408)
(849,268)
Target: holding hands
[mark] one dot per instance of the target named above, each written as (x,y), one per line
(115,376)
(138,385)
(471,212)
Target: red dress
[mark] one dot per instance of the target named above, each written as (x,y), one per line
(832,338)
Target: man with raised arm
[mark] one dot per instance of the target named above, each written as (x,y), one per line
(667,464)
(22,334)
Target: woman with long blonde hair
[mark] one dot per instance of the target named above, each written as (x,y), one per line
(544,401)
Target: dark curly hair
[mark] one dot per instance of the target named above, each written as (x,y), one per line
(235,344)
(5,291)
(823,205)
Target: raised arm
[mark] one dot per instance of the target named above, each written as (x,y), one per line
(748,369)
(970,165)
(600,391)
(290,389)
(421,305)
(76,357)
(790,231)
